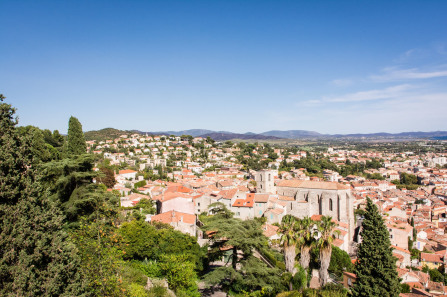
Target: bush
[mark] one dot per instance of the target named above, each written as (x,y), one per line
(148,268)
(179,273)
(340,261)
(136,290)
(315,293)
(158,291)
(132,275)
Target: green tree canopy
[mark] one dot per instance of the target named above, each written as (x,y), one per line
(237,240)
(36,255)
(376,266)
(145,241)
(69,182)
(75,139)
(289,240)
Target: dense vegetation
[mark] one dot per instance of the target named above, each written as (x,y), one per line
(376,268)
(106,134)
(59,230)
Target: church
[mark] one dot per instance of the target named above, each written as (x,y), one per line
(310,198)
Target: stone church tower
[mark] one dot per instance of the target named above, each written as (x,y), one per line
(265,181)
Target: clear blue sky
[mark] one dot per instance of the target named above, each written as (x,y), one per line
(327,66)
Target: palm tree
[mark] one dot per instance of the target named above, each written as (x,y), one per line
(326,228)
(307,234)
(289,240)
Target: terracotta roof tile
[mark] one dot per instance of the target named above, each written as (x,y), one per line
(174,217)
(312,185)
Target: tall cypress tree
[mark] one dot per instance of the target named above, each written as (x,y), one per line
(376,267)
(36,257)
(75,139)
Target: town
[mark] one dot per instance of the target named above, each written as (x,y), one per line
(186,176)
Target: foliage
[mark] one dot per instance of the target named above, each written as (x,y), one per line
(142,240)
(404,288)
(219,210)
(376,266)
(106,134)
(142,208)
(106,177)
(326,229)
(307,233)
(36,255)
(375,176)
(327,291)
(340,262)
(408,181)
(39,151)
(69,183)
(436,276)
(140,184)
(179,273)
(299,280)
(75,138)
(252,276)
(136,290)
(99,247)
(289,240)
(158,291)
(240,239)
(235,233)
(273,257)
(148,268)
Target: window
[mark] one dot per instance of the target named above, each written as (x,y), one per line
(330,204)
(270,176)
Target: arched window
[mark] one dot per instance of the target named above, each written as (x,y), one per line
(338,207)
(269,176)
(330,204)
(260,176)
(320,205)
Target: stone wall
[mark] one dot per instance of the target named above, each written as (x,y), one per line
(308,202)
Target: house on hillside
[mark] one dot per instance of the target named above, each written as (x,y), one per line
(183,222)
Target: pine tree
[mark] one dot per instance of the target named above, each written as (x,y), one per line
(376,266)
(75,139)
(36,257)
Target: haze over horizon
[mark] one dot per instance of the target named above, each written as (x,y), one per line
(334,67)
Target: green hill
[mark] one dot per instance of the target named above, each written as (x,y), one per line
(105,134)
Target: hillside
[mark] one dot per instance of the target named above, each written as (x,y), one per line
(106,133)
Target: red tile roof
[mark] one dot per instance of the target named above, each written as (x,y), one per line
(434,258)
(174,217)
(312,185)
(127,171)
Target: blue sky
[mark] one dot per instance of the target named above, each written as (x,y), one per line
(326,66)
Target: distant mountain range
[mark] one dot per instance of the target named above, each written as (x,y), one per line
(109,133)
